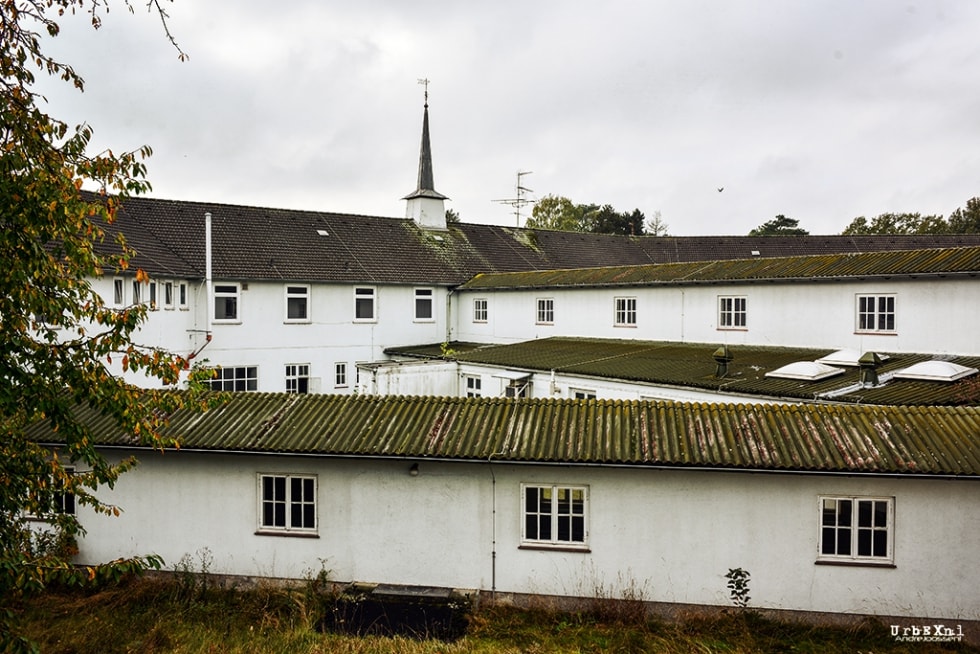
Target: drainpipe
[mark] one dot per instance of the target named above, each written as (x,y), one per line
(449,315)
(209,308)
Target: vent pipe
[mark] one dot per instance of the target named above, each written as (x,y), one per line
(869,363)
(723,356)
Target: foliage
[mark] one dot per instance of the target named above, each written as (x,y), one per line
(965,220)
(738,587)
(452,216)
(560,213)
(779,226)
(144,616)
(57,335)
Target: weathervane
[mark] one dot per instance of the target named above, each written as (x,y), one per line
(424,81)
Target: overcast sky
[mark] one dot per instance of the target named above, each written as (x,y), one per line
(822,110)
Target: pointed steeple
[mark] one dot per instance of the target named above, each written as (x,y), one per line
(425,205)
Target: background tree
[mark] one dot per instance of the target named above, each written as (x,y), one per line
(56,334)
(779,226)
(452,216)
(897,223)
(559,213)
(656,226)
(967,219)
(556,212)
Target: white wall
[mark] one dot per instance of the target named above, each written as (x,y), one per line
(675,533)
(932,316)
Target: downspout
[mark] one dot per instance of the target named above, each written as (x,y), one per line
(493,529)
(449,315)
(209,307)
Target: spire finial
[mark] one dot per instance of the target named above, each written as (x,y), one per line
(424,81)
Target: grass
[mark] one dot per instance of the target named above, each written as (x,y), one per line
(168,615)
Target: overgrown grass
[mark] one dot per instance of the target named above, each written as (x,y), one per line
(170,615)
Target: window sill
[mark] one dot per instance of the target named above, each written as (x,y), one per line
(626,326)
(305,321)
(860,333)
(226,322)
(732,329)
(479,322)
(583,549)
(286,534)
(427,321)
(365,321)
(856,564)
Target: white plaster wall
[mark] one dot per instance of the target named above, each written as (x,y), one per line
(933,316)
(672,533)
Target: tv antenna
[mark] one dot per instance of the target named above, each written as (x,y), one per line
(521,200)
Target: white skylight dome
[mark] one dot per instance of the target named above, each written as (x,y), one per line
(846,357)
(805,370)
(936,371)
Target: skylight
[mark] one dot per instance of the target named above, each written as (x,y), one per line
(936,371)
(805,370)
(846,357)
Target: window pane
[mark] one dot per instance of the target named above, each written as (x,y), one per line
(279,520)
(881,514)
(880,543)
(296,308)
(864,542)
(844,513)
(844,542)
(828,541)
(544,533)
(531,527)
(564,529)
(531,499)
(578,529)
(864,514)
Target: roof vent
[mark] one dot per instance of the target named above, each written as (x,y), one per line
(946,371)
(723,356)
(322,232)
(869,363)
(805,370)
(756,253)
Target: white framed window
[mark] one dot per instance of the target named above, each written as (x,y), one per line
(473,385)
(856,529)
(545,314)
(876,313)
(480,309)
(732,312)
(424,305)
(118,292)
(365,301)
(518,388)
(624,312)
(297,378)
(297,303)
(287,503)
(226,298)
(235,378)
(152,297)
(582,393)
(137,292)
(340,375)
(182,300)
(168,295)
(56,499)
(555,516)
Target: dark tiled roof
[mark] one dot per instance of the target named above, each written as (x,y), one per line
(846,439)
(917,263)
(691,365)
(256,243)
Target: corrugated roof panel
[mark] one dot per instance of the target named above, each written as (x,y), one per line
(874,439)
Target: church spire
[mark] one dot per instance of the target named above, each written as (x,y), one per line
(425,205)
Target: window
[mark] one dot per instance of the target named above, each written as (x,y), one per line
(340,375)
(240,378)
(518,388)
(182,295)
(856,529)
(118,292)
(876,313)
(480,310)
(297,378)
(55,498)
(474,385)
(546,311)
(423,304)
(137,292)
(226,302)
(168,295)
(287,503)
(732,313)
(625,312)
(364,305)
(297,303)
(555,516)
(153,296)
(582,394)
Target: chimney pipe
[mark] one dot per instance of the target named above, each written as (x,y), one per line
(723,356)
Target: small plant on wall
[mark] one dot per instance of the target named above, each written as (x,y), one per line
(738,586)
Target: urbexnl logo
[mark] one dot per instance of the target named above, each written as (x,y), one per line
(934,633)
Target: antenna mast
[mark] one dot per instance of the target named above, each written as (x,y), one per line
(521,200)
